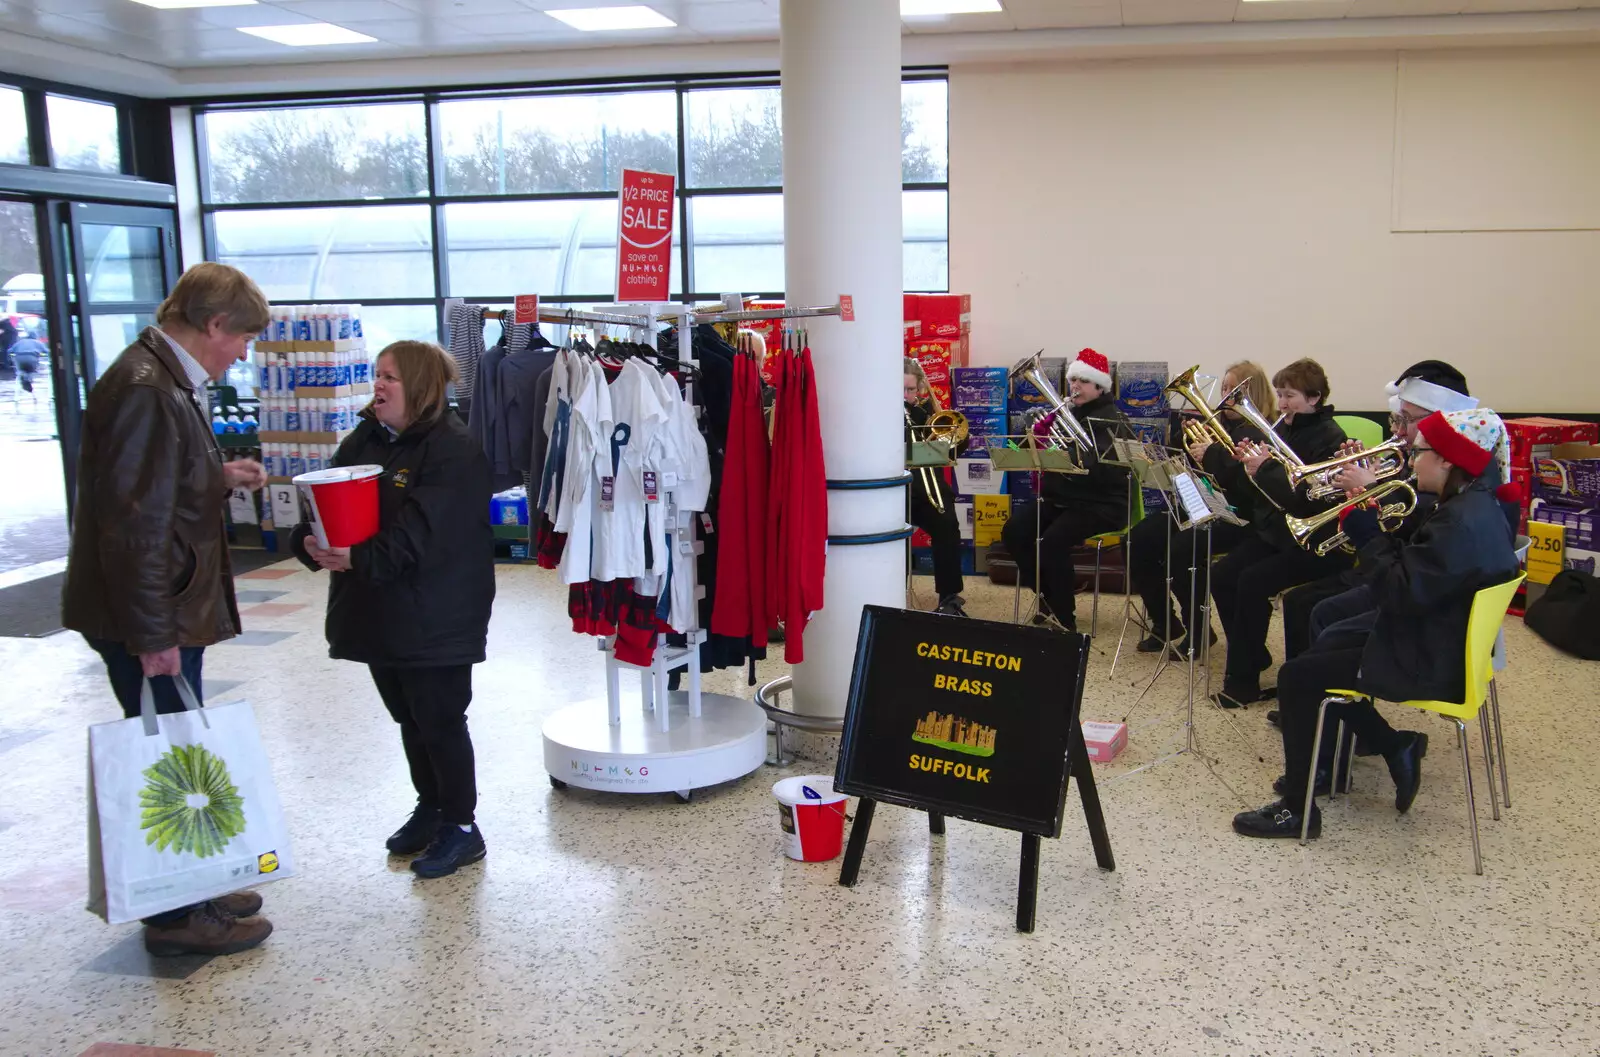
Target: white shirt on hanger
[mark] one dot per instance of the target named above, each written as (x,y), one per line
(591,426)
(623,455)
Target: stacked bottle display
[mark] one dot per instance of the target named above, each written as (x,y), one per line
(318,389)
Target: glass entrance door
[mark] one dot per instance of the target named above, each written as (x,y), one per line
(113,267)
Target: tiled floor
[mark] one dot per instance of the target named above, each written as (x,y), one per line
(611,925)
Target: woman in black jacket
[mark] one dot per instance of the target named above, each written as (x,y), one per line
(1269,561)
(1424,591)
(1156,547)
(1072,507)
(944,531)
(412,603)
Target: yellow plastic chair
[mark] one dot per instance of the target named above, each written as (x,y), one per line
(1368,432)
(1113,539)
(1483,628)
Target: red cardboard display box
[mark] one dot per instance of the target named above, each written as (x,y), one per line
(937,359)
(1534,437)
(944,315)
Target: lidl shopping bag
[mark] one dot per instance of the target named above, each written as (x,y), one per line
(182,809)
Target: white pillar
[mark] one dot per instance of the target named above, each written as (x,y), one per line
(842,235)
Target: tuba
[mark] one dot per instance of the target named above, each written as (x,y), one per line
(1208,428)
(1390,516)
(1389,458)
(1065,430)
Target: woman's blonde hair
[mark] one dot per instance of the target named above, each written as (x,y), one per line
(1259,390)
(209,290)
(426,372)
(914,369)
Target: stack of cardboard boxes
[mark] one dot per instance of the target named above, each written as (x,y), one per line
(1533,439)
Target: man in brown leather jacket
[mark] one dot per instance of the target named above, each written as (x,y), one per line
(149,583)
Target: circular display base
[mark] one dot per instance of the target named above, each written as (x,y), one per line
(727,741)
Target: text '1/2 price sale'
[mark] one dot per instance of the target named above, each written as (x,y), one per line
(645,211)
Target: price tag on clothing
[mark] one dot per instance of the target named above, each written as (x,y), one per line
(527,308)
(1546,551)
(608,493)
(651,493)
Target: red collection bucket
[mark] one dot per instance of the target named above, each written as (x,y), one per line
(344,503)
(812,817)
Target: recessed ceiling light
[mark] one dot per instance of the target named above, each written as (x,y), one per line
(308,34)
(600,19)
(936,8)
(172,5)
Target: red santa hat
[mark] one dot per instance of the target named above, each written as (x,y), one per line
(1091,366)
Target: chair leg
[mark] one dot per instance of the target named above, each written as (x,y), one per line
(1472,805)
(1311,775)
(1094,615)
(1488,762)
(1500,743)
(1338,749)
(1350,765)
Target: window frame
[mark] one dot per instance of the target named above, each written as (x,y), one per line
(430,100)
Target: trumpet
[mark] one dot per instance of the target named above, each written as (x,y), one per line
(1065,431)
(1208,429)
(1390,516)
(1389,462)
(948,427)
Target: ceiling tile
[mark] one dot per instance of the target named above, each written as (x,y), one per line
(1479,7)
(476,9)
(985,22)
(733,15)
(340,12)
(1064,14)
(1401,8)
(1290,10)
(1176,12)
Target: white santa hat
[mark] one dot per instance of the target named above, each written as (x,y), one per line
(1423,385)
(1091,366)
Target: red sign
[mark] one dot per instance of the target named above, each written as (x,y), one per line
(847,308)
(645,209)
(527,308)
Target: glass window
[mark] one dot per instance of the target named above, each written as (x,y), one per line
(384,324)
(738,243)
(551,248)
(123,264)
(83,134)
(13,127)
(555,144)
(735,137)
(925,132)
(343,253)
(112,333)
(310,154)
(925,220)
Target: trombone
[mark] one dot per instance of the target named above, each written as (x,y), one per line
(1389,462)
(1390,516)
(946,427)
(1065,430)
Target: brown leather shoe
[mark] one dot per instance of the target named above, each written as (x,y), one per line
(207,930)
(240,904)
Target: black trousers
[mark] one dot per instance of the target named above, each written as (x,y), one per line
(1151,557)
(1063,528)
(430,704)
(1332,663)
(1298,605)
(945,534)
(1243,584)
(127,677)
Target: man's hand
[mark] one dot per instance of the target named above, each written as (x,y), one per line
(1253,456)
(244,473)
(166,662)
(1355,479)
(333,559)
(1198,449)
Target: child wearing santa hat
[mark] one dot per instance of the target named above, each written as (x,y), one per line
(1424,590)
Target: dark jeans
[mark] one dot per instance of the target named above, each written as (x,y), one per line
(1243,584)
(127,682)
(127,677)
(944,532)
(430,704)
(1063,529)
(1150,557)
(1332,663)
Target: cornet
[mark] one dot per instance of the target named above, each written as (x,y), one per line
(1065,430)
(1390,516)
(1389,461)
(948,427)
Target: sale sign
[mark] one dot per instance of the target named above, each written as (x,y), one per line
(526,308)
(644,236)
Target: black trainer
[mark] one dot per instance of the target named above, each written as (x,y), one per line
(418,831)
(953,606)
(1405,767)
(1278,819)
(1151,644)
(1233,695)
(452,848)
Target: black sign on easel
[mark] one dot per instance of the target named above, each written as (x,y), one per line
(970,718)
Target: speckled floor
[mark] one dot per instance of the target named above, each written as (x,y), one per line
(613,925)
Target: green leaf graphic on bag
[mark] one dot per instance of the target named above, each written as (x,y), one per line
(190,804)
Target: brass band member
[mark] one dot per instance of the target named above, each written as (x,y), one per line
(1424,592)
(1149,554)
(941,526)
(1072,507)
(1244,582)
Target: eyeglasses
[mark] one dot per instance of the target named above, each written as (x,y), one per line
(1400,422)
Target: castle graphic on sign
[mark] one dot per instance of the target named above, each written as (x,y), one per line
(955,733)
